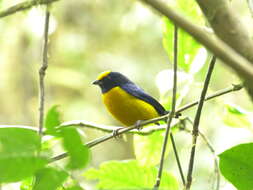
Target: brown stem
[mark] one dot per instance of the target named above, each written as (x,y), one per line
(195,130)
(42,73)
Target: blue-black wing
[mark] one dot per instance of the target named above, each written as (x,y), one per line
(136,91)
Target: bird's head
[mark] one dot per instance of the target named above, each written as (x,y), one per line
(108,80)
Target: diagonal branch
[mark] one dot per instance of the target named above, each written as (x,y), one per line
(24,6)
(220,49)
(227,26)
(151,129)
(129,129)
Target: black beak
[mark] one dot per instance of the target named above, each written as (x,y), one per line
(96,82)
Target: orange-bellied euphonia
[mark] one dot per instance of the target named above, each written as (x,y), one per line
(127,102)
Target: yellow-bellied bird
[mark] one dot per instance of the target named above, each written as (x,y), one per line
(127,102)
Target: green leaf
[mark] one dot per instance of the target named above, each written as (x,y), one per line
(147,149)
(52,120)
(235,110)
(49,179)
(236,165)
(188,47)
(19,158)
(128,174)
(79,154)
(236,117)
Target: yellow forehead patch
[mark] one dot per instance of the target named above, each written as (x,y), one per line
(103,74)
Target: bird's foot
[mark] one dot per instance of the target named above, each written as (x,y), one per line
(177,115)
(115,132)
(138,125)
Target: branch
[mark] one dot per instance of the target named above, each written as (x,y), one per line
(113,135)
(212,150)
(195,131)
(227,26)
(103,138)
(24,6)
(129,129)
(174,102)
(177,158)
(42,73)
(234,87)
(151,129)
(172,112)
(220,49)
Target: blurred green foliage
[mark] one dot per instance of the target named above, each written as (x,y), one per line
(49,178)
(235,116)
(129,175)
(147,149)
(19,149)
(188,46)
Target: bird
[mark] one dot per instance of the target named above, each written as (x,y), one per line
(126,101)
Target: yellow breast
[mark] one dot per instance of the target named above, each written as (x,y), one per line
(127,108)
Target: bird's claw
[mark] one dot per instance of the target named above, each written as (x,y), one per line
(177,115)
(115,132)
(138,125)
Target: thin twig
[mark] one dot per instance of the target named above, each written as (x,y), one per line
(109,128)
(102,139)
(24,6)
(212,150)
(171,114)
(228,55)
(42,73)
(177,158)
(175,83)
(234,87)
(195,131)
